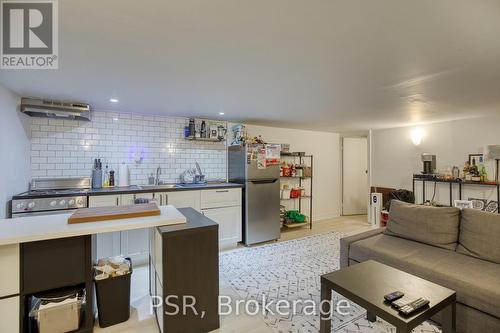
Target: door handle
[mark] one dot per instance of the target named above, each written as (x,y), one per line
(222,191)
(265,181)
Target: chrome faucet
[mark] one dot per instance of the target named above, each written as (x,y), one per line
(158,173)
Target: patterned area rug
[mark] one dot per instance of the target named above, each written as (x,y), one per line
(291,270)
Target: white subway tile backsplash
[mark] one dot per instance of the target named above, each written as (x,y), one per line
(67,148)
(38,147)
(39,121)
(47,128)
(38,173)
(54,173)
(39,160)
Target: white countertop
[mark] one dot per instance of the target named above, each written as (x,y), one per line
(43,227)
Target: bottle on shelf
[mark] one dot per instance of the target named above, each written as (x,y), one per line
(483,173)
(192,128)
(203,129)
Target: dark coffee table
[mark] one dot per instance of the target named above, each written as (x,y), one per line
(366,284)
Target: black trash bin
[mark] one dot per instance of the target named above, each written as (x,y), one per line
(113,299)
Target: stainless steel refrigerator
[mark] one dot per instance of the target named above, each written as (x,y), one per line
(261,193)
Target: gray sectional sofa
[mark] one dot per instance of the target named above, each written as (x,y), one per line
(456,249)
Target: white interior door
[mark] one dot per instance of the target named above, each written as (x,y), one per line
(355,192)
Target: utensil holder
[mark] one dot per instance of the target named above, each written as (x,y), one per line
(96,179)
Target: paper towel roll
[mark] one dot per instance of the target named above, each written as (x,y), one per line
(123,175)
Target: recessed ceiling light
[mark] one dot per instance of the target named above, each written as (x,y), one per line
(221,113)
(114,100)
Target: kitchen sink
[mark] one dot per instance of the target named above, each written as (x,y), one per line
(162,186)
(192,185)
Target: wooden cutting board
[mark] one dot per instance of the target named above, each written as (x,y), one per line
(114,213)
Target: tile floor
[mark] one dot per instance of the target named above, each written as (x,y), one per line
(142,321)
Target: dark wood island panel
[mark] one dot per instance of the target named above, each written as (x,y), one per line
(57,264)
(189,267)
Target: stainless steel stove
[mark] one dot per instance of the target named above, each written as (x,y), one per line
(51,196)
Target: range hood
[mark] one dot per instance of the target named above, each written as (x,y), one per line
(55,109)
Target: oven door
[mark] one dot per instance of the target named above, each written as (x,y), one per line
(50,212)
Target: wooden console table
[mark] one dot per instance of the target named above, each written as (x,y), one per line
(460,183)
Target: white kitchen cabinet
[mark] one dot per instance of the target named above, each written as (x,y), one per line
(159,310)
(108,244)
(104,201)
(9,279)
(221,198)
(133,243)
(152,269)
(9,314)
(229,221)
(156,272)
(157,253)
(127,199)
(221,205)
(224,207)
(182,199)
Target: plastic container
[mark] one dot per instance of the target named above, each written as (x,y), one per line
(295,193)
(113,298)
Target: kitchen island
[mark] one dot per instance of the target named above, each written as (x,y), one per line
(45,227)
(220,201)
(43,253)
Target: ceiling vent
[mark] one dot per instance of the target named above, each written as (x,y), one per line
(55,109)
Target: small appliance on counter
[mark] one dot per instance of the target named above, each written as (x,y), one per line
(429,162)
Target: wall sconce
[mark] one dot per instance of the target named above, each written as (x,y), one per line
(416,136)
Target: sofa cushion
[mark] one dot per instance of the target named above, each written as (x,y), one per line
(476,281)
(429,225)
(480,234)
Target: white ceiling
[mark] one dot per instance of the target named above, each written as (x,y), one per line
(317,64)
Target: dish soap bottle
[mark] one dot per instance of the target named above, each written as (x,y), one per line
(106,176)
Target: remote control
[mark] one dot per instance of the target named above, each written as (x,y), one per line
(398,304)
(393,296)
(413,306)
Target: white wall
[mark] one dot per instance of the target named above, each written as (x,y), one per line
(394,158)
(326,169)
(14,149)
